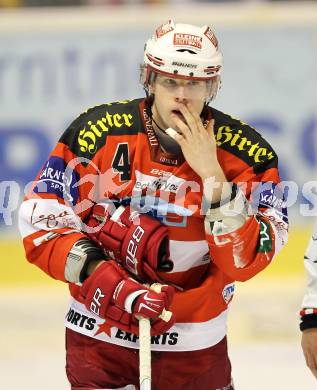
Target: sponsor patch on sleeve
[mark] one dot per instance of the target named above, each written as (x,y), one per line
(54,180)
(269,195)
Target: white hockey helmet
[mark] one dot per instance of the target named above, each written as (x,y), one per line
(183,51)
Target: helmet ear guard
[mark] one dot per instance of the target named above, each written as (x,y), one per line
(183,51)
(147,76)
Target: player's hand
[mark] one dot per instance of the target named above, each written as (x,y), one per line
(197,142)
(111,294)
(137,241)
(309,346)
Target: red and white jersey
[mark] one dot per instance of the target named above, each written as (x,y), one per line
(111,152)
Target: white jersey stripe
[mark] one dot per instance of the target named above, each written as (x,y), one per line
(181,336)
(188,254)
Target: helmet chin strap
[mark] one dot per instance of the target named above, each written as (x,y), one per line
(159,127)
(167,143)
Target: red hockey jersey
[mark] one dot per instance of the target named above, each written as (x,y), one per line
(111,152)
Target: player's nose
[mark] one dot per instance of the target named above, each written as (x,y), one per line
(180,94)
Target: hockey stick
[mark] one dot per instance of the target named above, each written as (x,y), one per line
(145,353)
(145,344)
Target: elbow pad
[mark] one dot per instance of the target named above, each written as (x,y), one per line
(81,254)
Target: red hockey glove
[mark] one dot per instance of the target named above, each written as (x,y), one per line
(111,294)
(137,241)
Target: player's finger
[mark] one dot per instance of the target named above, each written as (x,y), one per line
(181,126)
(190,119)
(310,362)
(210,128)
(312,365)
(196,116)
(314,362)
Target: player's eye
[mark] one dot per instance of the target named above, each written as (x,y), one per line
(195,84)
(169,82)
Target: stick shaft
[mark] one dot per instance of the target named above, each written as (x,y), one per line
(145,344)
(145,353)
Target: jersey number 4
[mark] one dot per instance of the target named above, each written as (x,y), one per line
(121,161)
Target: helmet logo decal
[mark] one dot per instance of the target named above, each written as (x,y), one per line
(188,40)
(184,65)
(212,37)
(164,29)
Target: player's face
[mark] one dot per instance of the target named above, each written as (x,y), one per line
(171,92)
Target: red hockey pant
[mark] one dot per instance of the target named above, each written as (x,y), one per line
(93,364)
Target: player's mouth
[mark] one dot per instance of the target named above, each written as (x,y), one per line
(179,114)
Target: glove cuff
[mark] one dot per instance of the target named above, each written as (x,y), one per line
(126,292)
(308,321)
(158,250)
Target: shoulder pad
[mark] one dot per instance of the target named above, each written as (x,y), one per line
(88,133)
(244,142)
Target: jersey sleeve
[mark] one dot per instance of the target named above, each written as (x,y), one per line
(246,231)
(308,311)
(90,163)
(52,214)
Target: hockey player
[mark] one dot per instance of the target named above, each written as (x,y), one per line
(161,189)
(308,313)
